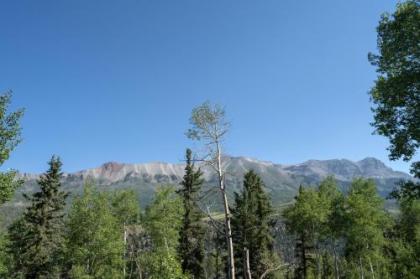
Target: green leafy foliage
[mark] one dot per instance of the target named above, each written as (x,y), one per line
(396,96)
(161,263)
(339,235)
(208,121)
(10,137)
(163,220)
(404,238)
(125,206)
(305,219)
(95,236)
(396,100)
(365,229)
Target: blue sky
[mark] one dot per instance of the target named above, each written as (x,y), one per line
(116,80)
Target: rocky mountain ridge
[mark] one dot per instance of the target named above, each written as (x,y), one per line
(277,177)
(342,169)
(282,181)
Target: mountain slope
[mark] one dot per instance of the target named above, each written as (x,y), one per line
(282,181)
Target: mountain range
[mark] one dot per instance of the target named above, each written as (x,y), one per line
(281,181)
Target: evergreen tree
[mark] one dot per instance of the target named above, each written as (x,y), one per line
(15,246)
(37,241)
(191,246)
(302,220)
(252,227)
(217,260)
(4,256)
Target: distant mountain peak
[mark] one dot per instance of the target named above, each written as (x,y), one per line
(112,166)
(370,158)
(345,169)
(372,162)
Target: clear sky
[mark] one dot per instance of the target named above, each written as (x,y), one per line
(116,80)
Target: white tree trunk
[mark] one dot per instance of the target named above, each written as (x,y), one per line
(337,272)
(125,247)
(228,228)
(362,275)
(371,269)
(247,265)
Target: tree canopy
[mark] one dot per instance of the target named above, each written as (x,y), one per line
(396,95)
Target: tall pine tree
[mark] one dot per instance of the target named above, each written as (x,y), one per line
(302,219)
(37,238)
(252,223)
(191,247)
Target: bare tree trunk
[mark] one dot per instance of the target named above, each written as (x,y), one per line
(229,236)
(209,125)
(371,269)
(247,266)
(138,268)
(268,271)
(166,245)
(362,275)
(125,247)
(228,231)
(337,272)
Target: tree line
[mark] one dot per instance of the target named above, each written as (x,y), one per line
(106,235)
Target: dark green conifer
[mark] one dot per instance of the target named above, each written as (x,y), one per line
(191,247)
(301,219)
(252,227)
(37,238)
